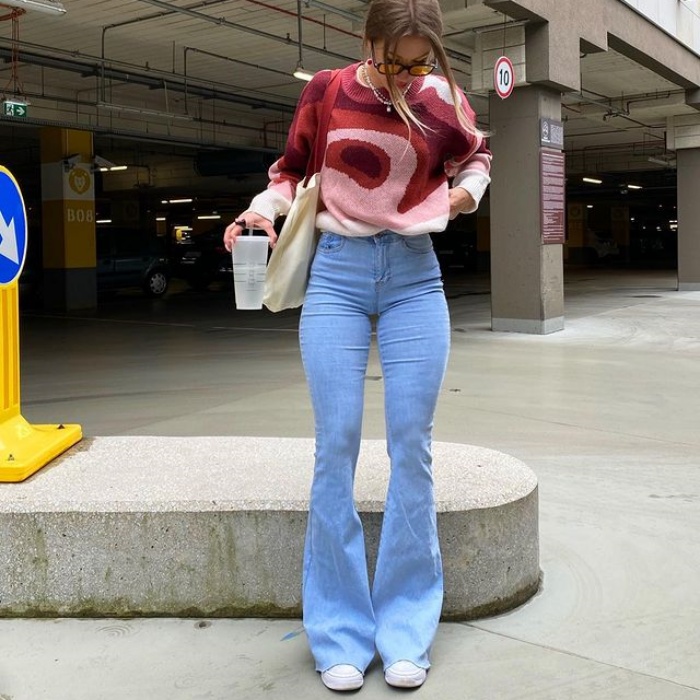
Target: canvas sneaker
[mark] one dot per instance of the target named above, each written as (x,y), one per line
(405,674)
(342,677)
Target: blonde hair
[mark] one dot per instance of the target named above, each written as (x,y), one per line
(390,20)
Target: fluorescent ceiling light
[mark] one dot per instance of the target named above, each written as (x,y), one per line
(666,162)
(103,221)
(114,169)
(53,7)
(592,180)
(633,187)
(207,217)
(301,74)
(180,201)
(160,218)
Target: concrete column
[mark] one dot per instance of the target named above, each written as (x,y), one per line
(483,235)
(688,164)
(68,213)
(527,276)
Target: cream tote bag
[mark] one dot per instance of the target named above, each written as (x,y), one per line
(288,268)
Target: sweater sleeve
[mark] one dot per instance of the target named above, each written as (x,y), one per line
(470,171)
(288,170)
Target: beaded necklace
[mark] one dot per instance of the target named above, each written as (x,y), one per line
(387,102)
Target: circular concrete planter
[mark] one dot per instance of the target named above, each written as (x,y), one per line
(215,527)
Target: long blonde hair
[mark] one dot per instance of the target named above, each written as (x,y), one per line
(390,20)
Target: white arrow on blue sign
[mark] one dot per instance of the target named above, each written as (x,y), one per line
(13,228)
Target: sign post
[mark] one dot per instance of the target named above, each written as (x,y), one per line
(24,448)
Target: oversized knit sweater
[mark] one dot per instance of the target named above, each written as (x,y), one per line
(375,178)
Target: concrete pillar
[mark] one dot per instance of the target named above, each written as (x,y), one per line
(483,235)
(68,213)
(688,164)
(527,277)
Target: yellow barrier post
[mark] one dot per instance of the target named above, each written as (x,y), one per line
(24,448)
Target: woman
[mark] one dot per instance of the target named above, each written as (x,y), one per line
(403,157)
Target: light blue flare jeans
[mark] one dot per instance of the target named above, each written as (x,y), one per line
(397,280)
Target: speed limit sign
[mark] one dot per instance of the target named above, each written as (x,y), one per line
(503,77)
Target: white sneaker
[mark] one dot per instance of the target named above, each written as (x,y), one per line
(342,677)
(405,674)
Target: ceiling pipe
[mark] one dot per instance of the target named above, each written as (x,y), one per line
(126,134)
(221,22)
(139,20)
(300,73)
(53,7)
(260,130)
(325,25)
(192,49)
(191,12)
(334,10)
(457,55)
(223,58)
(154,79)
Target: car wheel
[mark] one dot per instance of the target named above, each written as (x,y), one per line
(156,283)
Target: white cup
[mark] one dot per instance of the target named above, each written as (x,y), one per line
(249,264)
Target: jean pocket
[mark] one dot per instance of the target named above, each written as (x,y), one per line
(330,242)
(419,244)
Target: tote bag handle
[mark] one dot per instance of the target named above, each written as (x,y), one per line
(319,152)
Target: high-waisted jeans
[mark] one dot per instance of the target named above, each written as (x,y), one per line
(397,279)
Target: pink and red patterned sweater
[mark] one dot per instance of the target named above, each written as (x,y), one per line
(373,177)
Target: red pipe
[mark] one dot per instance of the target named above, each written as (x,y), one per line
(308,19)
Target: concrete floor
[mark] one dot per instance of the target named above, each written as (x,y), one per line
(605,413)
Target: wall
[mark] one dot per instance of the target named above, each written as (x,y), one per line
(680,18)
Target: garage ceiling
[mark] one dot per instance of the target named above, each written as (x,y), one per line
(217,73)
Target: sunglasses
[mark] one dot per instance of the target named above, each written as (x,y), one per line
(394,68)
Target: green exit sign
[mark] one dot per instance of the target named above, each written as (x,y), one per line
(14,109)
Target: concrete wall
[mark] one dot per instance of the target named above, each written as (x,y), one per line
(558,30)
(680,18)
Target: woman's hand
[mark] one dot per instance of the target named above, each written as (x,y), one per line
(248,219)
(460,200)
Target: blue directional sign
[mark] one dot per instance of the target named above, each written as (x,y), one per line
(13,228)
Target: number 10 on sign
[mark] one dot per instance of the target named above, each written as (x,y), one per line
(503,77)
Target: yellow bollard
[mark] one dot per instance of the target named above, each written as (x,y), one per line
(24,448)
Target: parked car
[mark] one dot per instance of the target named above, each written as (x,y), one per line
(202,259)
(131,258)
(126,258)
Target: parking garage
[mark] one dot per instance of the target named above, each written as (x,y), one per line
(173,111)
(166,119)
